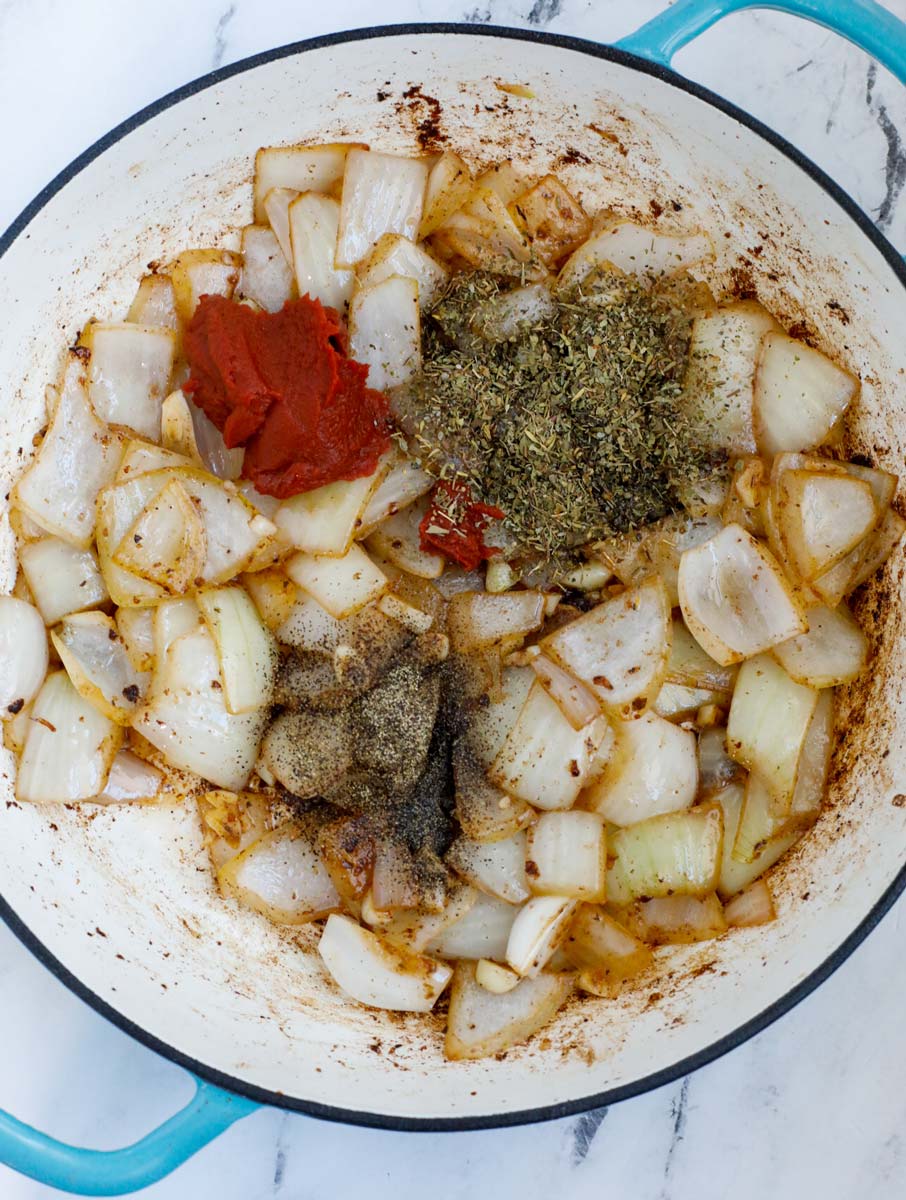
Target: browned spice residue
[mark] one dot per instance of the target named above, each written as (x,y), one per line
(571,156)
(609,136)
(427,113)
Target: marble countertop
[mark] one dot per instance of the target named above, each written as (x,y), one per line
(815,1105)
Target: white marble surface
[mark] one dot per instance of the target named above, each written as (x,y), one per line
(815,1106)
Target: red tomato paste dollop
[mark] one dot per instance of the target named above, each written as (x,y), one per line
(280,385)
(460,536)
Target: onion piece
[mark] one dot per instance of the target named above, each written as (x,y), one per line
(166,543)
(677,920)
(481,932)
(676,852)
(141,458)
(821,517)
(800,395)
(246,648)
(407,615)
(77,458)
(573,698)
(300,169)
(397,255)
(399,541)
(719,384)
(98,666)
(341,585)
(177,428)
(154,303)
(118,507)
(186,718)
(324,520)
(814,763)
(735,874)
(309,626)
(382,193)
(553,218)
(675,701)
(497,868)
(505,179)
(313,223)
(620,648)
(197,273)
(309,753)
(129,373)
(273,593)
(69,746)
(478,620)
(276,207)
(758,823)
(485,813)
(447,188)
(833,651)
(539,927)
(416,929)
(403,484)
(600,945)
(281,876)
(266,277)
(234,532)
(878,548)
(377,974)
(715,767)
(752,906)
(653,770)
(635,250)
(62,578)
(484,234)
(768,721)
(23,652)
(482,1023)
(385,331)
(567,855)
(505,316)
(136,629)
(170,621)
(691,665)
(544,760)
(220,461)
(734,597)
(231,822)
(131,781)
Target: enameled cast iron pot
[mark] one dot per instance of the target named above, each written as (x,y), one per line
(250,1015)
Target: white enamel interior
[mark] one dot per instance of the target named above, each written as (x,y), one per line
(123,898)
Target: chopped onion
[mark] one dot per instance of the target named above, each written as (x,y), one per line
(821,516)
(653,770)
(484,234)
(231,822)
(281,876)
(691,665)
(399,541)
(274,595)
(814,763)
(23,652)
(769,717)
(833,651)
(573,698)
(481,932)
(224,463)
(382,193)
(234,532)
(494,977)
(410,617)
(497,868)
(118,508)
(341,585)
(447,188)
(478,620)
(416,929)
(759,824)
(197,273)
(553,218)
(308,626)
(377,974)
(879,546)
(401,486)
(599,944)
(324,520)
(735,874)
(166,543)
(718,389)
(677,852)
(177,428)
(752,906)
(98,666)
(800,395)
(62,577)
(671,538)
(313,224)
(246,648)
(141,458)
(266,277)
(136,629)
(676,920)
(735,599)
(505,179)
(299,168)
(129,373)
(485,813)
(186,718)
(77,458)
(385,331)
(154,303)
(131,781)
(508,314)
(276,207)
(715,767)
(539,927)
(619,648)
(636,250)
(544,760)
(310,753)
(68,748)
(397,255)
(675,700)
(170,621)
(482,1023)
(567,855)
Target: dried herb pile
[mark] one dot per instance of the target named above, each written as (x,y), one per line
(571,427)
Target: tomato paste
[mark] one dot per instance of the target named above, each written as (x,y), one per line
(454,525)
(280,384)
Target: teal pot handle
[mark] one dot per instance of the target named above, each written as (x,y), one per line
(867,24)
(116,1172)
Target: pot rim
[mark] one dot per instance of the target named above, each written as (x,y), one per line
(748,1029)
